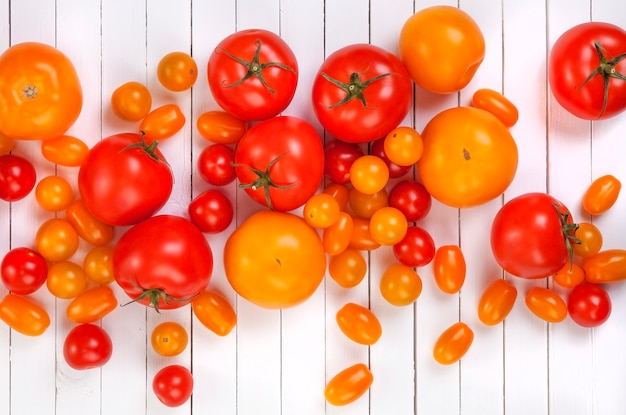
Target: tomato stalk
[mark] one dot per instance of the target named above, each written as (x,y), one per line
(354,89)
(155,295)
(255,67)
(150,149)
(607,70)
(569,230)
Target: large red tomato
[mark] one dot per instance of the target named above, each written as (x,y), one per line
(361,92)
(280,162)
(587,70)
(253,74)
(531,235)
(163,262)
(124,181)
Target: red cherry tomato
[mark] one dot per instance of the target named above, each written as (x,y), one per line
(23,270)
(173,385)
(377,148)
(416,249)
(87,346)
(215,164)
(412,198)
(17,177)
(211,211)
(338,157)
(589,305)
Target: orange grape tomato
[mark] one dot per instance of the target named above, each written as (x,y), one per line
(54,193)
(403,146)
(321,210)
(388,226)
(337,236)
(361,237)
(369,174)
(221,127)
(364,205)
(340,193)
(24,315)
(162,123)
(449,268)
(400,285)
(453,343)
(177,71)
(569,276)
(91,305)
(359,324)
(66,279)
(131,101)
(497,104)
(601,194)
(347,268)
(98,264)
(56,239)
(606,266)
(65,150)
(348,385)
(214,311)
(169,339)
(88,227)
(590,239)
(546,304)
(496,302)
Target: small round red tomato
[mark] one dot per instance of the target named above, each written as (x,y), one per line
(54,193)
(338,157)
(23,270)
(404,146)
(24,315)
(211,211)
(131,101)
(546,304)
(589,240)
(336,238)
(347,268)
(169,338)
(449,268)
(66,279)
(321,210)
(388,226)
(411,198)
(56,239)
(369,174)
(496,302)
(91,305)
(364,205)
(361,92)
(377,148)
(586,70)
(89,228)
(214,311)
(442,47)
(569,276)
(162,123)
(453,343)
(497,104)
(601,194)
(589,305)
(416,249)
(65,150)
(87,346)
(177,71)
(173,385)
(98,264)
(17,177)
(359,324)
(215,164)
(348,385)
(253,74)
(400,285)
(220,127)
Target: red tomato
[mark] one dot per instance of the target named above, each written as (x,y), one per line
(91,305)
(338,158)
(215,312)
(496,302)
(163,262)
(162,123)
(377,148)
(87,346)
(449,268)
(453,343)
(497,104)
(546,304)
(531,235)
(211,211)
(24,315)
(253,74)
(361,92)
(359,324)
(215,164)
(118,180)
(411,198)
(23,270)
(173,385)
(601,194)
(280,162)
(586,68)
(17,177)
(589,305)
(348,385)
(416,249)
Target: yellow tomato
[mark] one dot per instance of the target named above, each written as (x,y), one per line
(131,101)
(169,339)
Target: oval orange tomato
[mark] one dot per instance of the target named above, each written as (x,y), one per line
(348,385)
(496,302)
(606,266)
(88,227)
(221,127)
(91,305)
(65,150)
(336,238)
(497,104)
(601,194)
(162,123)
(453,343)
(359,324)
(546,304)
(24,315)
(214,311)
(449,268)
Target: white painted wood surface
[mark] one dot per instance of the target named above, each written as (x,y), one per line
(277,362)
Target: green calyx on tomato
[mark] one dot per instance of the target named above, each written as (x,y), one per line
(569,230)
(607,70)
(148,148)
(353,89)
(255,67)
(154,297)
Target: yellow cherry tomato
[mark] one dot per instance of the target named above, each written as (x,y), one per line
(590,240)
(169,339)
(131,101)
(388,226)
(363,205)
(403,146)
(400,285)
(177,71)
(66,279)
(54,193)
(56,239)
(369,174)
(569,276)
(321,210)
(98,264)
(347,268)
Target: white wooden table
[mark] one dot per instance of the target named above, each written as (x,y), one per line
(278,362)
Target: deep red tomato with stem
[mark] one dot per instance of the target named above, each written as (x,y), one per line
(87,346)
(17,177)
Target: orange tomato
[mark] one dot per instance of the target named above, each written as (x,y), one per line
(24,315)
(98,264)
(605,267)
(497,104)
(601,194)
(469,157)
(569,276)
(321,210)
(340,193)
(361,237)
(337,236)
(88,227)
(348,385)
(220,127)
(169,339)
(40,93)
(388,226)
(65,150)
(214,311)
(496,302)
(590,240)
(162,123)
(369,174)
(6,144)
(442,47)
(364,205)
(453,343)
(54,193)
(403,146)
(546,304)
(66,279)
(91,305)
(449,268)
(131,101)
(56,239)
(400,285)
(359,324)
(347,268)
(177,71)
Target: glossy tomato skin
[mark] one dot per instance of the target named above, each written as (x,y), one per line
(162,123)
(215,312)
(442,47)
(589,305)
(606,266)
(377,148)
(453,343)
(528,236)
(173,385)
(359,324)
(211,211)
(338,157)
(220,127)
(89,228)
(65,150)
(449,268)
(280,162)
(40,93)
(361,92)
(546,304)
(497,104)
(469,157)
(91,305)
(131,101)
(412,198)
(573,58)
(177,71)
(24,315)
(87,346)
(400,285)
(215,164)
(496,302)
(17,177)
(348,385)
(416,249)
(23,270)
(253,74)
(169,339)
(163,262)
(601,194)
(274,259)
(122,185)
(337,237)
(347,268)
